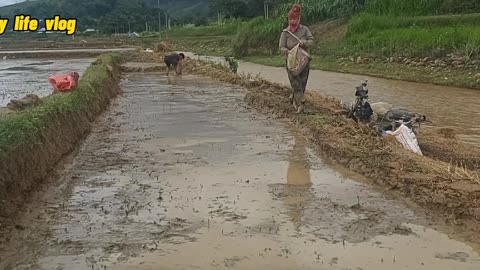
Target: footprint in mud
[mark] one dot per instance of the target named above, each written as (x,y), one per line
(372,225)
(457,256)
(232,262)
(333,261)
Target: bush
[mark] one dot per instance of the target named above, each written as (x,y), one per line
(319,10)
(259,35)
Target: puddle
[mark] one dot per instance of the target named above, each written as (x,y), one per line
(298,173)
(66,51)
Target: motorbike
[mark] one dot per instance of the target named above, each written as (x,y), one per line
(382,116)
(361,109)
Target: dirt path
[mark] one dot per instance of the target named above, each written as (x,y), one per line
(179,174)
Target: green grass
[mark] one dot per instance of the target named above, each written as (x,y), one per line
(432,36)
(366,22)
(419,42)
(214,46)
(258,36)
(262,36)
(422,7)
(29,126)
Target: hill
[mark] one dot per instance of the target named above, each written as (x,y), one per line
(114,15)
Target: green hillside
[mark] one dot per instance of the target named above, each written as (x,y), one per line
(114,15)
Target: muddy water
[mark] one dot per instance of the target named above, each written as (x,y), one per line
(19,78)
(457,108)
(92,50)
(179,174)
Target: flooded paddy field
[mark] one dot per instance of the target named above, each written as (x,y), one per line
(181,174)
(21,77)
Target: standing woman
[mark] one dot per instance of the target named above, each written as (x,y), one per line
(294,34)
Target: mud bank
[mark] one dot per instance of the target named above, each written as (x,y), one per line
(32,142)
(448,189)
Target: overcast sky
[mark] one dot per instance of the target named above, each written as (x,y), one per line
(9,2)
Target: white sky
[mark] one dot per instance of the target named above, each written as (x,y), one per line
(9,2)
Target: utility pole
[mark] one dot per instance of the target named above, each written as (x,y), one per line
(169,18)
(166,20)
(159,18)
(266,9)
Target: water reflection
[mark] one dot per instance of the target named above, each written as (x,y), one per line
(298,173)
(297,190)
(172,80)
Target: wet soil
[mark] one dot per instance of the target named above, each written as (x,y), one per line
(435,181)
(181,174)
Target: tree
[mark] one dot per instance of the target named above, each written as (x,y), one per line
(242,8)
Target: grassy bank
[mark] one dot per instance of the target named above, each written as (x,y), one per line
(33,141)
(28,126)
(426,36)
(442,49)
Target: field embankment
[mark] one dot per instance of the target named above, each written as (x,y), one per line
(33,141)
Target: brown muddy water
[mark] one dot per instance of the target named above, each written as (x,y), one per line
(180,174)
(73,50)
(452,107)
(19,78)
